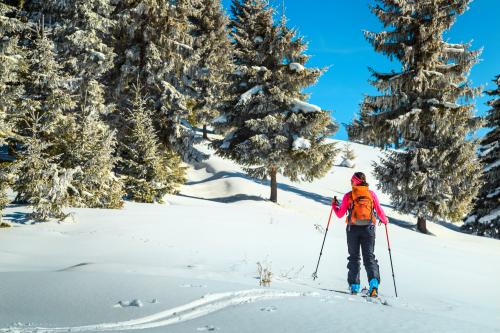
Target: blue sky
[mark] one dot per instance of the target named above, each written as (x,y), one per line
(334,28)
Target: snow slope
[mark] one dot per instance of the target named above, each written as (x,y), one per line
(192,265)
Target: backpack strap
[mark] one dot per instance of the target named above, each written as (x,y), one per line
(351,207)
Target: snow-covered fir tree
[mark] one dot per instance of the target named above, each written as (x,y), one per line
(81,31)
(151,171)
(269,127)
(213,49)
(154,46)
(484,219)
(348,156)
(11,68)
(11,65)
(42,112)
(40,181)
(46,87)
(425,108)
(89,144)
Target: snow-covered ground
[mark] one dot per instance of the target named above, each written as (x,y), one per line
(191,265)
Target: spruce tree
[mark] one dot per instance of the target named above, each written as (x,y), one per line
(81,31)
(11,65)
(89,144)
(151,171)
(40,181)
(11,68)
(484,219)
(425,108)
(213,49)
(269,128)
(154,46)
(42,112)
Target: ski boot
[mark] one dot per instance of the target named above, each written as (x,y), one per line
(355,287)
(373,288)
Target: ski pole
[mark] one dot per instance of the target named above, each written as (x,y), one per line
(390,257)
(315,274)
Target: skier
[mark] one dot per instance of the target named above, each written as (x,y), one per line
(360,205)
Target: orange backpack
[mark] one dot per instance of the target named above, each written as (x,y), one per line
(361,207)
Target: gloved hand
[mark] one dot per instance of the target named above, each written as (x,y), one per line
(335,201)
(382,222)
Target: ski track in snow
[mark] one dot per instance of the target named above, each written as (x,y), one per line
(206,305)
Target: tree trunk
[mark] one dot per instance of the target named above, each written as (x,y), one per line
(205,133)
(422,225)
(274,185)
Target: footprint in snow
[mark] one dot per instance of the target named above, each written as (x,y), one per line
(193,286)
(271,308)
(207,328)
(326,299)
(125,304)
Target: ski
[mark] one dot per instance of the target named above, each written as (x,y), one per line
(365,293)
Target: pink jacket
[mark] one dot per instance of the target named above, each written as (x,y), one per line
(346,202)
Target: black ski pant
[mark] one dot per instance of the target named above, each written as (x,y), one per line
(361,237)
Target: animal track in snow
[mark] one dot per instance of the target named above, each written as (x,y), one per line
(193,285)
(209,328)
(124,304)
(271,308)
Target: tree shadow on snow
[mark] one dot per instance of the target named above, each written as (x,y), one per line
(324,200)
(402,224)
(284,187)
(450,226)
(229,199)
(222,175)
(19,218)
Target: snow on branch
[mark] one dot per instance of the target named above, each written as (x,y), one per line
(98,55)
(301,143)
(296,67)
(450,105)
(494,193)
(220,119)
(490,217)
(454,49)
(492,165)
(245,97)
(433,73)
(305,107)
(259,68)
(486,149)
(182,45)
(404,117)
(446,66)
